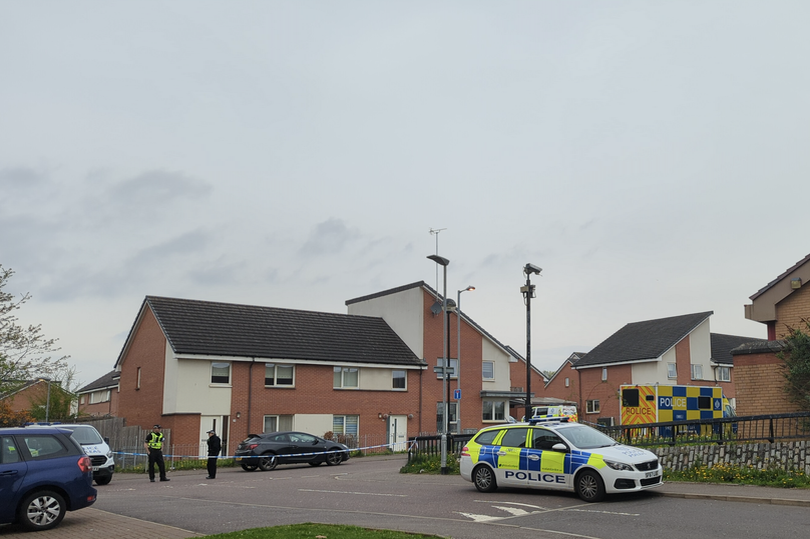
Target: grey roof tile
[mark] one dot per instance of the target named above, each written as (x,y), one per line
(640,341)
(226,329)
(722,345)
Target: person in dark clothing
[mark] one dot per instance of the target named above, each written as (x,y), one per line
(214,447)
(154,446)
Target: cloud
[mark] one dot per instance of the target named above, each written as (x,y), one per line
(159,187)
(329,237)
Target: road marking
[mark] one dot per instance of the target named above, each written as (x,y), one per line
(349,492)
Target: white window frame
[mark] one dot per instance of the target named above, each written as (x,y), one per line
(697,371)
(339,378)
(346,424)
(452,419)
(724,374)
(672,371)
(220,365)
(567,382)
(493,416)
(483,370)
(394,378)
(275,367)
(100,396)
(592,406)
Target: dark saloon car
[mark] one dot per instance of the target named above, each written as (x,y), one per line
(266,451)
(43,473)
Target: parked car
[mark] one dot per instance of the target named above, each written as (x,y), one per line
(557,455)
(95,446)
(43,473)
(266,451)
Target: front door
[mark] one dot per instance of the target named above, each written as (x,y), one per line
(217,424)
(398,432)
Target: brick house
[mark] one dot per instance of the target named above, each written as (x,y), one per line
(99,398)
(678,350)
(33,394)
(482,369)
(195,365)
(782,304)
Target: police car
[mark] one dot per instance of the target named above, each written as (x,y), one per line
(557,455)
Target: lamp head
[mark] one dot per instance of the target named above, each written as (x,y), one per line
(440,260)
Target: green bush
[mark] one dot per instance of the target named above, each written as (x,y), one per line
(430,464)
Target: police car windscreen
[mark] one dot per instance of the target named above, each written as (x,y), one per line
(585,437)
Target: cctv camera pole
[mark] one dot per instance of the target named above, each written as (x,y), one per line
(528,293)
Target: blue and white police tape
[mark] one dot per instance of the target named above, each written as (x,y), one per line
(349,450)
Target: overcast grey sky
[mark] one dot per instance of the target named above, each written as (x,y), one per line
(649,156)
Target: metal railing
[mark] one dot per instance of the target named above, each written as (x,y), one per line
(432,445)
(772,427)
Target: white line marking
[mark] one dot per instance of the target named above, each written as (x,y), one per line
(348,492)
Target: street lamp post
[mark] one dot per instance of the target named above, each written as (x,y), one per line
(445,363)
(458,355)
(528,294)
(47,399)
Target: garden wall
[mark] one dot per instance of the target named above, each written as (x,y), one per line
(784,455)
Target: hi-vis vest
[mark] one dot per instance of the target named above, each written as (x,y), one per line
(155,440)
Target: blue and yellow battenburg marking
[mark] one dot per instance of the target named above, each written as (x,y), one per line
(550,464)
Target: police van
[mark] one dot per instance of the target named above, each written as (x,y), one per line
(557,455)
(94,447)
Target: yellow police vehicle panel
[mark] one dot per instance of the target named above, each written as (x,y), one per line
(557,455)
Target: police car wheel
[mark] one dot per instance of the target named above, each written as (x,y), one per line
(484,479)
(590,487)
(268,462)
(42,510)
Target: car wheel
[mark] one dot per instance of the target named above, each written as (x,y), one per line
(333,459)
(42,510)
(104,480)
(590,486)
(268,462)
(484,479)
(249,467)
(314,463)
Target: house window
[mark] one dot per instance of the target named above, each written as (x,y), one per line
(672,370)
(346,424)
(138,379)
(346,378)
(99,396)
(82,399)
(398,379)
(220,373)
(279,375)
(604,374)
(452,417)
(697,371)
(453,366)
(276,423)
(488,370)
(567,382)
(494,411)
(592,407)
(723,374)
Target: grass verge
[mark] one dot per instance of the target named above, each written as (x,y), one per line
(319,531)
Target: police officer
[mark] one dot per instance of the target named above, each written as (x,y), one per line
(154,446)
(214,447)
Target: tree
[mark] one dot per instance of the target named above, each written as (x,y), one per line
(25,353)
(10,418)
(796,366)
(62,404)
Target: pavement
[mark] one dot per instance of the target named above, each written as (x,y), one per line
(91,523)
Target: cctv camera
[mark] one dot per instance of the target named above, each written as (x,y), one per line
(531,268)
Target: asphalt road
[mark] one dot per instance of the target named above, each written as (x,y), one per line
(370,492)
